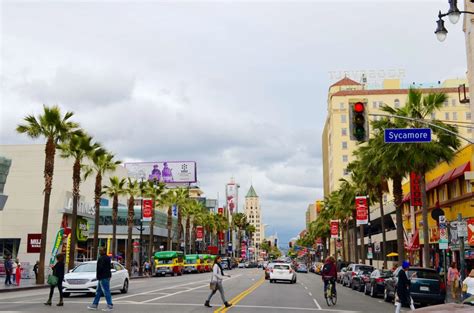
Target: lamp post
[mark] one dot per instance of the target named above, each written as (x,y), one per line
(453,14)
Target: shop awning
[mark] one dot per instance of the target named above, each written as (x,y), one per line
(452,174)
(458,171)
(446,177)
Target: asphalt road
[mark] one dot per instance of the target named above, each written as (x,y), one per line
(246,289)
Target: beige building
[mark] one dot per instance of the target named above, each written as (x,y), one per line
(312,211)
(254,217)
(469,31)
(337,146)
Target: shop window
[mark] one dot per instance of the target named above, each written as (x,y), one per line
(343,118)
(344,145)
(468,186)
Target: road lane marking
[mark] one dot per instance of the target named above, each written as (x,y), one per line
(293,308)
(317,304)
(310,294)
(305,287)
(242,295)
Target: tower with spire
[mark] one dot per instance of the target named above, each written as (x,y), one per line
(254,217)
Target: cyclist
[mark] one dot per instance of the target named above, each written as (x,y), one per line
(329,274)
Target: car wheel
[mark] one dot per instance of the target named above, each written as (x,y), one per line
(66,294)
(372,292)
(271,281)
(386,297)
(125,287)
(352,285)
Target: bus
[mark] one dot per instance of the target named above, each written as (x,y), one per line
(169,262)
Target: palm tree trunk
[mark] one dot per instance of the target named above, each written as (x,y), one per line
(398,198)
(114,226)
(180,227)
(382,222)
(97,192)
(424,213)
(356,250)
(151,239)
(76,180)
(348,242)
(169,225)
(362,247)
(186,239)
(131,216)
(50,151)
(193,238)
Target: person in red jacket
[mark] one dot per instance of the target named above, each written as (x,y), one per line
(329,273)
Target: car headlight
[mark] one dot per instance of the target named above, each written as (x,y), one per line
(93,280)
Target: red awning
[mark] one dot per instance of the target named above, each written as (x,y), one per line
(430,185)
(458,171)
(446,177)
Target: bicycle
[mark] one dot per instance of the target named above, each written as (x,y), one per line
(331,298)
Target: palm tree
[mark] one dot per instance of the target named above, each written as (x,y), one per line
(78,147)
(131,190)
(187,210)
(198,214)
(55,128)
(170,199)
(102,162)
(154,190)
(222,225)
(115,189)
(347,193)
(182,195)
(239,220)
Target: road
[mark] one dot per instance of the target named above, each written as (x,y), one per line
(246,289)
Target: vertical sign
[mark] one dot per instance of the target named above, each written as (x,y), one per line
(370,254)
(221,237)
(147,210)
(334,228)
(470,231)
(415,189)
(220,211)
(443,233)
(231,197)
(199,233)
(34,243)
(362,212)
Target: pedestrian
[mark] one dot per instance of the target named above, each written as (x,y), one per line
(58,271)
(13,272)
(8,270)
(35,269)
(468,285)
(403,289)
(18,272)
(216,282)
(453,279)
(103,275)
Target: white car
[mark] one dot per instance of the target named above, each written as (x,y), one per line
(282,271)
(82,279)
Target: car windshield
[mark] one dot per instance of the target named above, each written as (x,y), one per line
(86,268)
(190,261)
(165,261)
(423,274)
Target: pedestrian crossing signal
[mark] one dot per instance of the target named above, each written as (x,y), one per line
(359,124)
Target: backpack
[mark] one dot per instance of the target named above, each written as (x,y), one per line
(326,269)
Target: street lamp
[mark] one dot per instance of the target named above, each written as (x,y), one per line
(453,14)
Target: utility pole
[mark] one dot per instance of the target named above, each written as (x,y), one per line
(461,235)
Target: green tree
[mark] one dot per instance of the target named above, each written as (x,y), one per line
(114,190)
(55,128)
(239,220)
(132,189)
(155,190)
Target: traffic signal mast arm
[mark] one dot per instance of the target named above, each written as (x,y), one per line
(423,122)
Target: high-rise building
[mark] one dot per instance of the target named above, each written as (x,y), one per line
(337,146)
(254,216)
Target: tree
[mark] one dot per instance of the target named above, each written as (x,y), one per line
(131,190)
(182,195)
(170,199)
(55,128)
(239,220)
(102,162)
(155,190)
(188,210)
(115,189)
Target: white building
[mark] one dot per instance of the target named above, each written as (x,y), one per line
(254,217)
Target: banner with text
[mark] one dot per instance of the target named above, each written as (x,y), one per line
(199,233)
(362,212)
(334,228)
(415,189)
(147,209)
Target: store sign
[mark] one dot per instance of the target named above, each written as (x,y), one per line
(84,208)
(82,229)
(147,209)
(415,189)
(199,233)
(34,243)
(334,228)
(470,231)
(169,172)
(362,212)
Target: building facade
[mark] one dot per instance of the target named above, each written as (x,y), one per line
(468,28)
(253,213)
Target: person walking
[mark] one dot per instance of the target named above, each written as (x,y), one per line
(453,280)
(58,271)
(103,275)
(403,289)
(216,282)
(35,269)
(13,272)
(18,272)
(8,270)
(468,285)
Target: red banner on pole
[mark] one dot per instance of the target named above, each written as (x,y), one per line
(334,228)
(415,189)
(221,237)
(470,231)
(199,233)
(147,209)
(220,211)
(362,212)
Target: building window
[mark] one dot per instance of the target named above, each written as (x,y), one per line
(446,102)
(343,118)
(341,106)
(468,186)
(453,102)
(469,130)
(345,172)
(433,115)
(375,104)
(468,115)
(345,158)
(344,131)
(344,145)
(455,116)
(446,116)
(396,103)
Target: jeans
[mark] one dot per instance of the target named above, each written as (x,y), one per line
(8,280)
(103,289)
(221,290)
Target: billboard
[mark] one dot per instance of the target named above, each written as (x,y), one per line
(170,172)
(231,197)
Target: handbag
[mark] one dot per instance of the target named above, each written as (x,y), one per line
(464,288)
(52,280)
(213,286)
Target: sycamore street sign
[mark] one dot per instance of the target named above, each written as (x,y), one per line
(407,135)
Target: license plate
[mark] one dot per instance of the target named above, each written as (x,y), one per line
(424,288)
(163,272)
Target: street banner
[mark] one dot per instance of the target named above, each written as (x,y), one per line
(470,231)
(362,212)
(199,233)
(57,244)
(415,189)
(377,247)
(334,228)
(147,210)
(443,233)
(168,172)
(68,247)
(221,237)
(220,211)
(34,243)
(370,254)
(231,193)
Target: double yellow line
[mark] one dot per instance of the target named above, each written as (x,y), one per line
(241,295)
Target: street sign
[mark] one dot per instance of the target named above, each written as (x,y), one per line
(377,247)
(443,233)
(462,229)
(369,253)
(407,135)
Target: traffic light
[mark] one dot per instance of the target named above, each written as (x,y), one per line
(359,124)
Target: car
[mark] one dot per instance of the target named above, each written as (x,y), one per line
(226,264)
(426,286)
(376,284)
(282,272)
(360,279)
(268,269)
(352,270)
(82,279)
(301,268)
(340,274)
(241,265)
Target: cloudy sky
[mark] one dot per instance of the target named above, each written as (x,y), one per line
(240,87)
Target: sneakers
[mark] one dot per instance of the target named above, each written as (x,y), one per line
(227,304)
(108,308)
(95,308)
(92,307)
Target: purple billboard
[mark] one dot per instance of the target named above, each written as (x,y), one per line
(169,172)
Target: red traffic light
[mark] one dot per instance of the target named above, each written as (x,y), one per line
(358,107)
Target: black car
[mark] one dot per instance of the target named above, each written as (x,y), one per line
(375,286)
(426,286)
(359,279)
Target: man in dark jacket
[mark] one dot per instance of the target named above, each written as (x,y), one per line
(8,270)
(103,276)
(403,289)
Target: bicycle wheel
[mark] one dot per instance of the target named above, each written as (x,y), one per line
(334,299)
(328,297)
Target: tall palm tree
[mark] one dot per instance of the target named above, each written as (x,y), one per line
(222,225)
(79,146)
(239,220)
(182,196)
(187,210)
(347,193)
(198,215)
(114,190)
(155,190)
(55,127)
(102,162)
(169,200)
(131,190)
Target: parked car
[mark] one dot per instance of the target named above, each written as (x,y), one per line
(426,286)
(302,268)
(226,264)
(352,270)
(340,274)
(376,283)
(282,271)
(82,279)
(268,269)
(360,279)
(241,265)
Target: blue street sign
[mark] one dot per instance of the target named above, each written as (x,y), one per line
(407,135)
